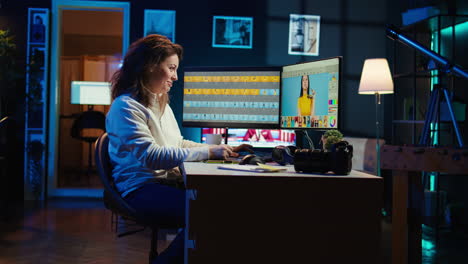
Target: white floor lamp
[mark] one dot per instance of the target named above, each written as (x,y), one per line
(376,79)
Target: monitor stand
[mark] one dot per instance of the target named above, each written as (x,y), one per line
(226,135)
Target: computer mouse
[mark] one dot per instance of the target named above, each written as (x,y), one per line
(251,159)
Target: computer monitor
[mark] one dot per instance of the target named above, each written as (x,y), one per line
(258,138)
(231,97)
(311,94)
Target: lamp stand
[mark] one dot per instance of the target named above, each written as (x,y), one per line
(377,143)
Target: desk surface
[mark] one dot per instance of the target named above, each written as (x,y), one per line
(211,169)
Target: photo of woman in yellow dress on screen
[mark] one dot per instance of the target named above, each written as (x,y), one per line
(306,100)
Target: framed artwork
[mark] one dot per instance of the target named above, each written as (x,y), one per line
(38,22)
(232,32)
(304,32)
(160,22)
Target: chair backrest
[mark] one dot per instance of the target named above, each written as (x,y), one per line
(112,198)
(88,120)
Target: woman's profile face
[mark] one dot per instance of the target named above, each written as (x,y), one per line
(164,75)
(305,83)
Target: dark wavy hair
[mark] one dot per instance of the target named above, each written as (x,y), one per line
(142,56)
(308,85)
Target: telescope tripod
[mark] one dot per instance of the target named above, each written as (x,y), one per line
(433,114)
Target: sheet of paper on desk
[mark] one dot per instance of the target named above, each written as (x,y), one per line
(259,168)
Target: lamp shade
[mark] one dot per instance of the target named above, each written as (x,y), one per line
(376,77)
(90,93)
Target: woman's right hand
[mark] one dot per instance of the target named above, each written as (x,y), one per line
(220,151)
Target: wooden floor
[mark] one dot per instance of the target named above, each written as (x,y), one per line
(80,231)
(79,179)
(64,232)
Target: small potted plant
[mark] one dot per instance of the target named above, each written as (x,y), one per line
(331,137)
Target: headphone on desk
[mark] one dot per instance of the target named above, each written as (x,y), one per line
(284,155)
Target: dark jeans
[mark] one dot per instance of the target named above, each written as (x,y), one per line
(166,206)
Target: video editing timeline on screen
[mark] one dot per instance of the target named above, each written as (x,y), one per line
(310,94)
(232,98)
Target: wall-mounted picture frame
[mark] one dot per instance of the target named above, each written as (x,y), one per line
(38,20)
(160,22)
(232,32)
(304,35)
(37,56)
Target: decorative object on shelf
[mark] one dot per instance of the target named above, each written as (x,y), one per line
(331,137)
(35,168)
(414,15)
(376,79)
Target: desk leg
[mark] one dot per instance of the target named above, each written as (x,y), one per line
(416,204)
(399,217)
(187,227)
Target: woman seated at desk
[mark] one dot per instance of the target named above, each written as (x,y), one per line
(144,139)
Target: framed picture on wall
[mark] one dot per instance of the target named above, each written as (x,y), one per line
(37,57)
(39,22)
(232,32)
(304,33)
(160,22)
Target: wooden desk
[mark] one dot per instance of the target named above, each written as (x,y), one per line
(407,164)
(248,217)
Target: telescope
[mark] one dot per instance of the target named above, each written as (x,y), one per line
(445,65)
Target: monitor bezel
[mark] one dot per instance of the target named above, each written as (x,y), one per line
(340,80)
(234,124)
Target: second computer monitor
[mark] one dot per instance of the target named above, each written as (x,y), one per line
(310,94)
(232,97)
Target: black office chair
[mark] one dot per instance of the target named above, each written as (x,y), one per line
(114,201)
(88,120)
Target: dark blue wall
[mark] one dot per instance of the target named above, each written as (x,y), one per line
(352,29)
